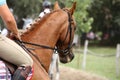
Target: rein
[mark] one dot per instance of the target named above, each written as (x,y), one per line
(29,52)
(42,46)
(38,45)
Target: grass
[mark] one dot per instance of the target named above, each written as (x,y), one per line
(103,66)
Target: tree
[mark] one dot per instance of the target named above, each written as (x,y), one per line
(106,14)
(81,15)
(25,8)
(83,21)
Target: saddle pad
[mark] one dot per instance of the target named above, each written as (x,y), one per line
(5,74)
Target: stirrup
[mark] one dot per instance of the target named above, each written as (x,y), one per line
(21,73)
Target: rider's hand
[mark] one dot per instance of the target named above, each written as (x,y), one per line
(17,36)
(14,36)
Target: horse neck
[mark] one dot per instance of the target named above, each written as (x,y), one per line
(45,35)
(45,31)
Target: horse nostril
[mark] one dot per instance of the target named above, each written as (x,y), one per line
(67,58)
(72,57)
(63,60)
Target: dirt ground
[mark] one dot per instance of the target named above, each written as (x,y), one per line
(67,73)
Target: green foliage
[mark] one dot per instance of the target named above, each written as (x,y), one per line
(83,21)
(81,15)
(24,8)
(106,14)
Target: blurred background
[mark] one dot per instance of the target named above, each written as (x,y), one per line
(97,38)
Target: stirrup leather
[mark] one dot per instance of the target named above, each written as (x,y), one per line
(21,73)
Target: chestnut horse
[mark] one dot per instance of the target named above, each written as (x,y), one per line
(54,29)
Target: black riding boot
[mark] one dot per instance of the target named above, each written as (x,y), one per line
(21,73)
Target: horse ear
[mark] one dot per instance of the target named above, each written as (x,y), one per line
(56,6)
(73,8)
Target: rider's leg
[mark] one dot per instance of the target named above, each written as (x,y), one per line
(13,53)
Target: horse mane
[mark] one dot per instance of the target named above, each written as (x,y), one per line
(38,21)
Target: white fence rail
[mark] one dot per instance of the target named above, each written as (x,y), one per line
(118,60)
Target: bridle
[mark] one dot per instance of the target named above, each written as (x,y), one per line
(66,50)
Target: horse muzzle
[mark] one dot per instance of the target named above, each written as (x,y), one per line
(67,58)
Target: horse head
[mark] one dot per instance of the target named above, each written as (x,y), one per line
(64,44)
